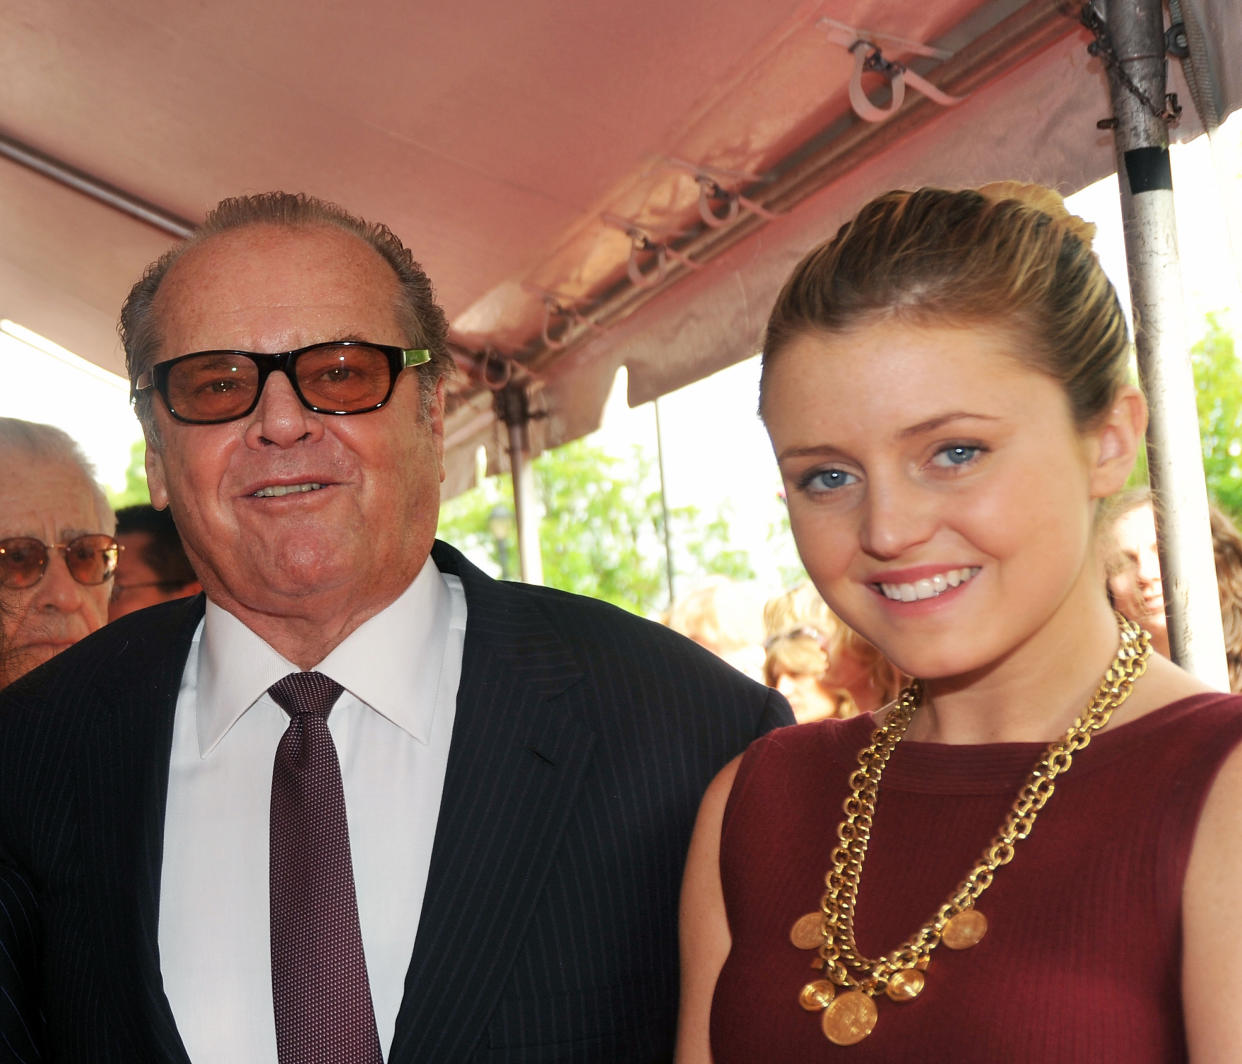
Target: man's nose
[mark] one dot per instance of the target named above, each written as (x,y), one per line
(58,589)
(280,418)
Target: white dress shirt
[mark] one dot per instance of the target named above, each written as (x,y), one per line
(391,727)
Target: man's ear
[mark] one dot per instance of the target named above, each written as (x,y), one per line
(155,477)
(1117,437)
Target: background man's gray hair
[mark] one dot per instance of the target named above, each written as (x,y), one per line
(34,441)
(417,310)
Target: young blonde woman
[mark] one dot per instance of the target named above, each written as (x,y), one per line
(1033,854)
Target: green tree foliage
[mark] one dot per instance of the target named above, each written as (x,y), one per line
(1218,397)
(1218,388)
(780,542)
(601,529)
(135,479)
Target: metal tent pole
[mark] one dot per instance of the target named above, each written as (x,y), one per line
(89,185)
(512,406)
(668,530)
(1131,42)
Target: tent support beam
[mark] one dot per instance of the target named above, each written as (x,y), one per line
(1029,30)
(91,186)
(1174,455)
(513,410)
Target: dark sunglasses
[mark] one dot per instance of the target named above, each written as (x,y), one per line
(90,559)
(119,590)
(339,377)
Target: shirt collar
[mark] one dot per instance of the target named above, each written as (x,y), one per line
(391,662)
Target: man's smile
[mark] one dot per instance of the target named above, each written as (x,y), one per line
(274,491)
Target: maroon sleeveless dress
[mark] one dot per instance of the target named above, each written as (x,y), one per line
(1082,959)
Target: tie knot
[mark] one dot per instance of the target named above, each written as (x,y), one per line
(305,692)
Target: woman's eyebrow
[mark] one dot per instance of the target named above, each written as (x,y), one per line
(940,420)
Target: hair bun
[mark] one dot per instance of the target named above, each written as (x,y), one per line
(1041,198)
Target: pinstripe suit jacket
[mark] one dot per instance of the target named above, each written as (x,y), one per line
(583,740)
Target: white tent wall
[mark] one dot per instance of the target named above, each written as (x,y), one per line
(516,150)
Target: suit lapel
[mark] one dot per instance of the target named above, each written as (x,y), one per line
(516,762)
(124,792)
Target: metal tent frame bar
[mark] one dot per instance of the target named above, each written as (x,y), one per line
(1137,76)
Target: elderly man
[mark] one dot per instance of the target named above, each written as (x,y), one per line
(152,567)
(57,553)
(491,873)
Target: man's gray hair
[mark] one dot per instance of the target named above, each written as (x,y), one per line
(417,310)
(33,441)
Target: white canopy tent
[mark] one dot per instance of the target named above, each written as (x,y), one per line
(590,185)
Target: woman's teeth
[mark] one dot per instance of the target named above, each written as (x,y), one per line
(929,587)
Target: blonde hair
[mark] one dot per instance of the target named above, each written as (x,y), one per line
(803,631)
(1007,253)
(794,653)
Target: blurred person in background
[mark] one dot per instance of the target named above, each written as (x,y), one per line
(1128,540)
(152,566)
(795,664)
(1132,567)
(1132,563)
(822,667)
(726,617)
(57,551)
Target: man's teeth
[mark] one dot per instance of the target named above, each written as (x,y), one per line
(277,490)
(929,587)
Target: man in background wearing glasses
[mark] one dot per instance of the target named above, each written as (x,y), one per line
(57,553)
(152,567)
(517,769)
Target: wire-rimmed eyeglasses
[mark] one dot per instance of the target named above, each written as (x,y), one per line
(90,559)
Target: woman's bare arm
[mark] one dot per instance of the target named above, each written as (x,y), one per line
(704,929)
(1212,919)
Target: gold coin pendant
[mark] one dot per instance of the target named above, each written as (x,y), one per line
(849,1019)
(808,931)
(817,995)
(964,929)
(905,985)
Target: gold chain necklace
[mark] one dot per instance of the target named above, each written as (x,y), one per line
(850,1016)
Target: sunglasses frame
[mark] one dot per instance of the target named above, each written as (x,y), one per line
(156,377)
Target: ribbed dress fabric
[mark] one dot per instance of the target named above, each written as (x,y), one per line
(1082,959)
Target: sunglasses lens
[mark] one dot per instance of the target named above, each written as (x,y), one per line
(22,561)
(91,559)
(348,378)
(213,386)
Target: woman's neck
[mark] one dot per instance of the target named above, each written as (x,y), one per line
(1033,694)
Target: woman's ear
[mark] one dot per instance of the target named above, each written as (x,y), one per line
(1117,436)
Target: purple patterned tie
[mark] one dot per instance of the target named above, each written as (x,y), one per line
(319,975)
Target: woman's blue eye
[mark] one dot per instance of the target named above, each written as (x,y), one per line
(825,480)
(958,454)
